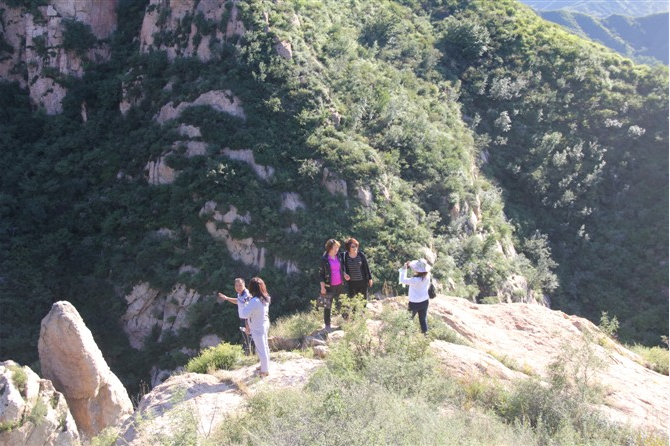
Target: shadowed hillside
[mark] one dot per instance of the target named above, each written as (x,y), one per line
(152,151)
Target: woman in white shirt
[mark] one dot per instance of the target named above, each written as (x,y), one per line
(418,289)
(255,310)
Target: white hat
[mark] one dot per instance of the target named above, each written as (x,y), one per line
(420,265)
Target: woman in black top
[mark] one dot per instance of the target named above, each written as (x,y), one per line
(356,269)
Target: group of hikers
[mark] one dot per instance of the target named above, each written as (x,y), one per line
(336,269)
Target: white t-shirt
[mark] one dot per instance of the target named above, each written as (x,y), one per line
(242,299)
(418,287)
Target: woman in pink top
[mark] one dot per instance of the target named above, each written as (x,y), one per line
(331,276)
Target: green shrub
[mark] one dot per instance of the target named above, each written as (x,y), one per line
(19,378)
(345,413)
(38,412)
(608,325)
(78,37)
(656,357)
(7,426)
(296,326)
(223,356)
(107,437)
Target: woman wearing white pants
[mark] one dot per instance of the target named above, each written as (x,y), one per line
(255,311)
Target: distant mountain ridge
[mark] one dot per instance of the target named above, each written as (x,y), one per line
(601,9)
(644,39)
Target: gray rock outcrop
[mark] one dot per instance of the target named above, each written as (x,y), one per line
(149,308)
(71,359)
(38,56)
(194,40)
(32,412)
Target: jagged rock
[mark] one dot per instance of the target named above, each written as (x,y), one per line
(247,156)
(284,49)
(189,131)
(428,254)
(314,340)
(286,265)
(205,400)
(333,184)
(159,172)
(73,362)
(188,269)
(291,201)
(175,310)
(32,411)
(169,16)
(515,289)
(364,195)
(336,118)
(473,222)
(149,308)
(229,217)
(234,27)
(243,250)
(193,148)
(36,39)
(144,304)
(477,208)
(219,100)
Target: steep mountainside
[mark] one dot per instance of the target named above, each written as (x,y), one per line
(602,9)
(225,139)
(644,39)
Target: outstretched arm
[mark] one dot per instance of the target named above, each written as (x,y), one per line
(232,300)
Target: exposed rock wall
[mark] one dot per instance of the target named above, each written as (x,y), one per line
(71,359)
(188,28)
(37,56)
(149,308)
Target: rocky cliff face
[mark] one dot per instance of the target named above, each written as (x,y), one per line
(183,28)
(34,54)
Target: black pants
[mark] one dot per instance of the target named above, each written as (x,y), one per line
(334,294)
(358,287)
(422,309)
(247,342)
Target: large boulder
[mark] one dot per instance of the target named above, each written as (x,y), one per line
(32,412)
(71,359)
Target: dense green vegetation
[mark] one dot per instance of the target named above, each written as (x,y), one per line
(575,137)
